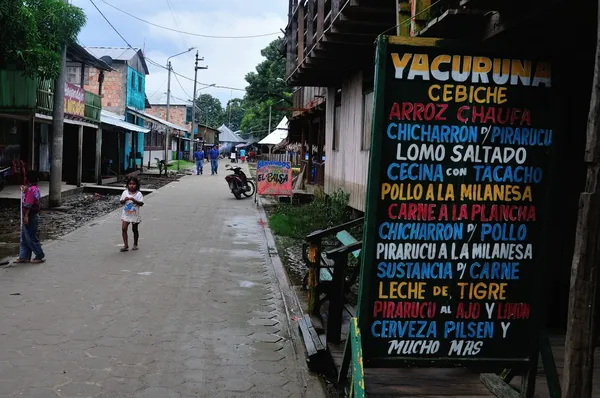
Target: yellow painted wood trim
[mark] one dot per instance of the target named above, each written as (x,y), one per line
(414,41)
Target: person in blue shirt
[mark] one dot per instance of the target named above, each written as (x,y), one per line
(214,159)
(243,155)
(199,156)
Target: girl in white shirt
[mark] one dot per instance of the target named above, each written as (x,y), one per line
(133,200)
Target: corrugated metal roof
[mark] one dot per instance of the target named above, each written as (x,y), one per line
(116,53)
(226,135)
(77,53)
(119,54)
(157,119)
(119,121)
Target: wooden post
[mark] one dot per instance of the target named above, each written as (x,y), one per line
(336,299)
(301,27)
(335,9)
(79,155)
(581,323)
(320,18)
(98,163)
(32,165)
(310,25)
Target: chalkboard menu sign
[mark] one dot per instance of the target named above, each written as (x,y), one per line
(459,171)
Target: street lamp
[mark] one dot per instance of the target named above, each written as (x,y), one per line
(169,68)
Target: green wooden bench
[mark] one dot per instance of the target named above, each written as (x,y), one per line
(324,262)
(344,237)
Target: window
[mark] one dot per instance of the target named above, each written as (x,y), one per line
(337,120)
(140,84)
(74,75)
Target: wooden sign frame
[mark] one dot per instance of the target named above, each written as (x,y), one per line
(526,361)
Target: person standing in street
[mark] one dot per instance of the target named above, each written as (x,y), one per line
(199,156)
(214,159)
(243,155)
(30,208)
(133,199)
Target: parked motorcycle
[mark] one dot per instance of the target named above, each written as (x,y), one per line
(239,183)
(5,173)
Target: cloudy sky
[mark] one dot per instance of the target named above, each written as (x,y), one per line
(228,60)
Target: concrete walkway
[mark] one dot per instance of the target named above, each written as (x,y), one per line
(196,312)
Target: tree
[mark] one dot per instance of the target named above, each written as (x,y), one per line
(33,33)
(234,113)
(266,87)
(209,111)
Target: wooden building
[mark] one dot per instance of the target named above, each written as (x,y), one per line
(329,47)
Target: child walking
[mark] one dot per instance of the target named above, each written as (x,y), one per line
(133,199)
(30,243)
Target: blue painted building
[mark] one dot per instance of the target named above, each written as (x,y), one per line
(124,94)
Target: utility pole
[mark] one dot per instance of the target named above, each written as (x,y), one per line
(58,118)
(270,106)
(170,69)
(191,155)
(168,103)
(99,134)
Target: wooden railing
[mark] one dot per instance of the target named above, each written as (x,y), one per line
(45,96)
(45,101)
(93,106)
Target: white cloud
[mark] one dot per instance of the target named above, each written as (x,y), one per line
(228,60)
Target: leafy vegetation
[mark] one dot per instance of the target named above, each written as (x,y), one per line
(323,212)
(266,89)
(34,33)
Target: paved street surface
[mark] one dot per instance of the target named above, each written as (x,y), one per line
(195,312)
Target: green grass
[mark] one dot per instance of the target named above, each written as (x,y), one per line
(183,164)
(296,221)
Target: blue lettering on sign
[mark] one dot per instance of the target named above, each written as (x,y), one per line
(518,174)
(433,133)
(270,163)
(421,231)
(469,330)
(523,136)
(495,270)
(504,232)
(415,172)
(416,271)
(389,329)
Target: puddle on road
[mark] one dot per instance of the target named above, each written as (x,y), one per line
(247,284)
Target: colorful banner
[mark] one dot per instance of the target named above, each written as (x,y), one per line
(74,100)
(274,178)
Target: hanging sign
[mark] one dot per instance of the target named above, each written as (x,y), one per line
(74,100)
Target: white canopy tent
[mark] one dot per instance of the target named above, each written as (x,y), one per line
(276,136)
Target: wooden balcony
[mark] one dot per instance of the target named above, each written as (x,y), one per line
(307,100)
(328,39)
(45,102)
(93,106)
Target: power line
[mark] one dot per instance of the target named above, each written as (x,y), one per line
(111,25)
(187,33)
(180,85)
(154,62)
